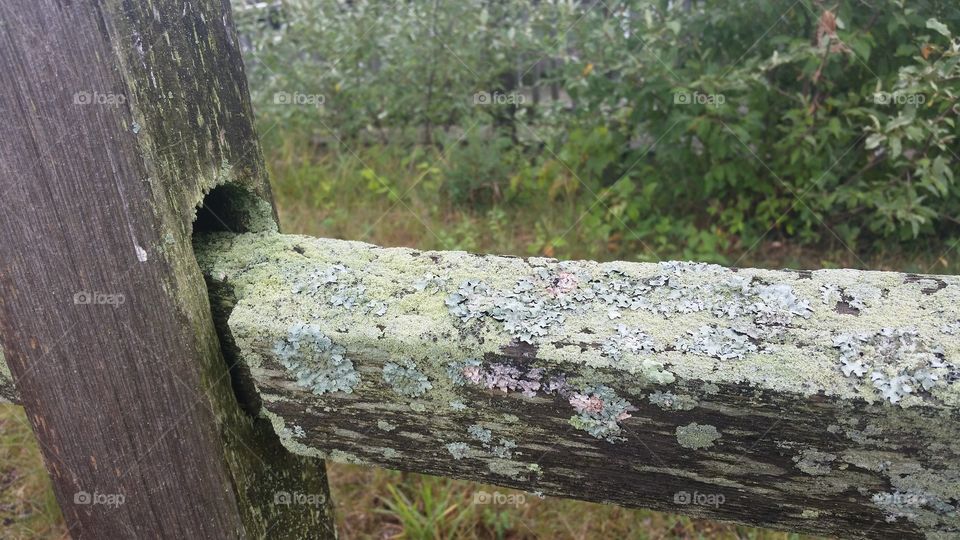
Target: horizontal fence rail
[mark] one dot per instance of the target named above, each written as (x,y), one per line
(822,401)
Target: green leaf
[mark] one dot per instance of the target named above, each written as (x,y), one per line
(934,24)
(874,141)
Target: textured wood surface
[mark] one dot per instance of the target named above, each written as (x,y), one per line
(117,119)
(823,402)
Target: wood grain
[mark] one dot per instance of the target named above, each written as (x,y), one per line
(117,119)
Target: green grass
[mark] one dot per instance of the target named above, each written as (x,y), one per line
(28,508)
(395,197)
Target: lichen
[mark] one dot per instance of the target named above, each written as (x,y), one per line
(951,329)
(498,376)
(917,506)
(405,379)
(386,425)
(315,361)
(814,462)
(723,343)
(458,449)
(696,436)
(601,411)
(631,340)
(480,433)
(525,315)
(340,287)
(898,361)
(669,401)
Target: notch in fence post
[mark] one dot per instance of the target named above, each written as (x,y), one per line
(117,118)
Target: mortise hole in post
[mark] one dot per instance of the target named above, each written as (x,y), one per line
(232,209)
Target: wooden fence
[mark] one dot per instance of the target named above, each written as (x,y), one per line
(177,355)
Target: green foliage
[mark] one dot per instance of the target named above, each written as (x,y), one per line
(476,171)
(699,128)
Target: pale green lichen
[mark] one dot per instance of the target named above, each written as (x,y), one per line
(696,436)
(458,449)
(315,361)
(480,433)
(814,462)
(405,379)
(668,401)
(386,425)
(508,467)
(898,362)
(795,355)
(7,390)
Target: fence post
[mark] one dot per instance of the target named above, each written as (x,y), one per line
(117,118)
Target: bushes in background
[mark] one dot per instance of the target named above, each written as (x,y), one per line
(709,124)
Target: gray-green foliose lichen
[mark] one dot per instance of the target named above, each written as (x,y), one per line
(485,437)
(670,401)
(696,436)
(601,411)
(897,360)
(404,378)
(458,449)
(722,343)
(315,362)
(537,304)
(480,433)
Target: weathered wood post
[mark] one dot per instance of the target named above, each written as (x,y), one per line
(117,118)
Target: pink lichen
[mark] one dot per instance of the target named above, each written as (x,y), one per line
(563,283)
(583,403)
(473,374)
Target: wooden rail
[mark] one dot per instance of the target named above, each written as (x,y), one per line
(812,401)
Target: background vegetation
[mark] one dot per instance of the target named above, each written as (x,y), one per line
(755,133)
(663,128)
